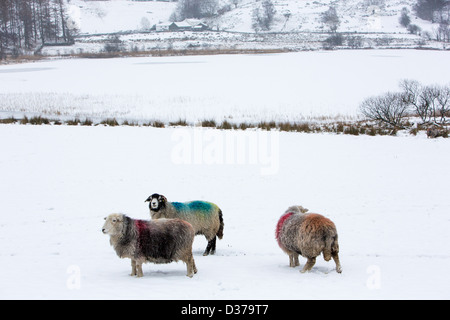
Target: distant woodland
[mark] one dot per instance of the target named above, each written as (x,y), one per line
(27,25)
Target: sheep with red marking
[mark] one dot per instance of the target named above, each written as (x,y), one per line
(308,235)
(157,241)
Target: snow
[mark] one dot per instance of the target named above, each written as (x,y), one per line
(296,26)
(95,17)
(388,197)
(238,88)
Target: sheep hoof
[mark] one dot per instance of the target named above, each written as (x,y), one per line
(339,270)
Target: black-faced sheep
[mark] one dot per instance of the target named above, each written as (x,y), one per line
(308,235)
(205,217)
(161,241)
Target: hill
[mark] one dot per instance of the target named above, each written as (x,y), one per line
(131,27)
(93,17)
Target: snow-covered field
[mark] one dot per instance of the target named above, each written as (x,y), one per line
(236,88)
(387,195)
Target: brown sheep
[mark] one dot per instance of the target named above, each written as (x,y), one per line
(308,235)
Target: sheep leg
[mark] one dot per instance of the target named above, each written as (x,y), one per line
(133,268)
(194,266)
(139,269)
(211,247)
(309,264)
(191,268)
(326,254)
(293,260)
(338,263)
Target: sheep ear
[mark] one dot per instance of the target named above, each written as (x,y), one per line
(162,198)
(148,199)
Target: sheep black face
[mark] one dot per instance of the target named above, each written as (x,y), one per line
(157,202)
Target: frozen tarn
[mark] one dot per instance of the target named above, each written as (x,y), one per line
(236,88)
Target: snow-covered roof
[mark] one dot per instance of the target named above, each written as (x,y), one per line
(187,23)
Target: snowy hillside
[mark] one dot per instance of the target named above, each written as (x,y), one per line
(291,15)
(296,26)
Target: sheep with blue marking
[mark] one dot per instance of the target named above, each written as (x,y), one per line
(205,217)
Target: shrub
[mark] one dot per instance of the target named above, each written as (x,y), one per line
(389,109)
(333,41)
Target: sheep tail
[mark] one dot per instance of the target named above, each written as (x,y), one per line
(220,231)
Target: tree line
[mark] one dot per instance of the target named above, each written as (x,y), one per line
(27,25)
(429,103)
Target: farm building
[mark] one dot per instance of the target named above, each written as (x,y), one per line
(188,25)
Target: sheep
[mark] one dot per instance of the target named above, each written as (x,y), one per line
(161,241)
(205,217)
(308,235)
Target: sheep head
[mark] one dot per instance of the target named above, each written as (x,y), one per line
(157,202)
(113,224)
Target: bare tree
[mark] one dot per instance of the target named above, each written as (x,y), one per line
(443,104)
(389,109)
(430,9)
(196,9)
(331,19)
(404,19)
(262,15)
(27,24)
(431,103)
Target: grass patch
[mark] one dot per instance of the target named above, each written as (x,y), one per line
(38,120)
(226,125)
(209,124)
(9,120)
(87,122)
(73,122)
(178,123)
(110,122)
(264,125)
(355,128)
